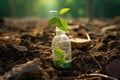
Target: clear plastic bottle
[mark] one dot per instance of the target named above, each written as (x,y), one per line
(61,49)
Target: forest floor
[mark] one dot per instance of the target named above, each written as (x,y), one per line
(25,50)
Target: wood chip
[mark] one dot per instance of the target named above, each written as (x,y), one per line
(79,40)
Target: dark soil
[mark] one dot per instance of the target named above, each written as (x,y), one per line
(25,50)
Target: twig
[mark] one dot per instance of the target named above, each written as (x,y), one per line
(85,76)
(96,61)
(88,36)
(98,75)
(104,29)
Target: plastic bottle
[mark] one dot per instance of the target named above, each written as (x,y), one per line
(61,49)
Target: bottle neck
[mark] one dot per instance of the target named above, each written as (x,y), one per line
(59,32)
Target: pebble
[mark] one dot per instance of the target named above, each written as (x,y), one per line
(20,48)
(113,68)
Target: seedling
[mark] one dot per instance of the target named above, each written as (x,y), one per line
(61,46)
(60,60)
(58,22)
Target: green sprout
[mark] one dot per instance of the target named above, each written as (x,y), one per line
(57,21)
(60,60)
(60,55)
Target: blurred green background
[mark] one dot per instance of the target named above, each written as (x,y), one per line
(41,8)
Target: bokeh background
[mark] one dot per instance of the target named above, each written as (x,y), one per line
(41,8)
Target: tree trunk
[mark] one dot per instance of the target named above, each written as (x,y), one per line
(90,10)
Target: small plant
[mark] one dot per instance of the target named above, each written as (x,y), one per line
(60,60)
(61,46)
(58,22)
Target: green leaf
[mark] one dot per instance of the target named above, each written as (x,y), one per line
(59,53)
(64,10)
(62,24)
(59,61)
(53,20)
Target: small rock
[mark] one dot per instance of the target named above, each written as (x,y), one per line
(113,68)
(28,71)
(20,48)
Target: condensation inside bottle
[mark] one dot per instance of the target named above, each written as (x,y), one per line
(62,42)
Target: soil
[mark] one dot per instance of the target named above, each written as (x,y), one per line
(25,50)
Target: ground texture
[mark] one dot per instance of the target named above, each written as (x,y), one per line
(25,50)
